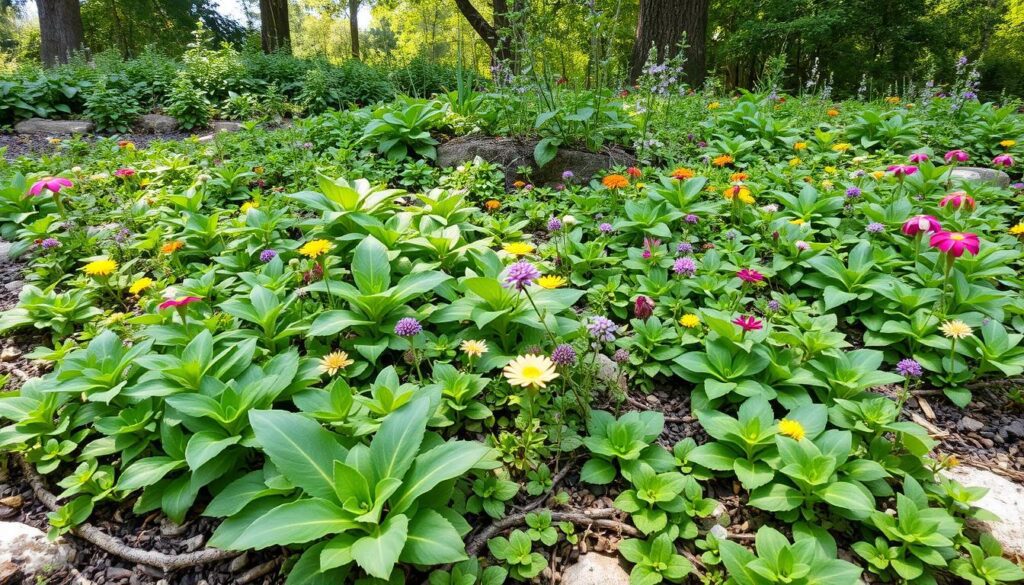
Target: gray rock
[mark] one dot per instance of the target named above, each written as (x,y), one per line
(238,563)
(608,372)
(981,175)
(595,569)
(225,126)
(1015,429)
(5,250)
(1004,499)
(54,127)
(28,548)
(970,424)
(15,285)
(158,123)
(9,354)
(511,153)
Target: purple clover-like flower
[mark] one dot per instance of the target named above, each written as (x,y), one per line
(731,234)
(606,228)
(621,356)
(801,245)
(564,355)
(602,329)
(773,305)
(521,275)
(554,224)
(853,192)
(268,255)
(691,218)
(875,228)
(568,175)
(684,248)
(50,243)
(684,266)
(408,327)
(909,368)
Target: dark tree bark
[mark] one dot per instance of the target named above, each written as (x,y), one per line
(353,26)
(274,32)
(492,35)
(60,30)
(661,25)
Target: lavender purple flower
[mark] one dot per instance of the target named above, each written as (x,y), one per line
(773,305)
(875,228)
(554,224)
(684,248)
(267,255)
(684,266)
(602,329)
(521,275)
(853,192)
(564,355)
(621,356)
(909,368)
(50,243)
(408,327)
(606,228)
(691,218)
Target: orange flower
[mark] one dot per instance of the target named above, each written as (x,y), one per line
(172,246)
(722,160)
(492,204)
(738,177)
(615,182)
(519,184)
(832,113)
(682,174)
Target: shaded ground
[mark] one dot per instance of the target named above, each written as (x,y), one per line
(36,144)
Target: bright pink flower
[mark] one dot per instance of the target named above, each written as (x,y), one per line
(749,275)
(643,307)
(748,323)
(179,302)
(960,155)
(958,199)
(955,243)
(921,224)
(51,184)
(634,172)
(918,157)
(1003,160)
(124,172)
(902,170)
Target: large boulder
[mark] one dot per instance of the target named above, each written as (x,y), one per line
(158,123)
(511,153)
(54,127)
(595,569)
(981,175)
(1004,499)
(225,126)
(29,549)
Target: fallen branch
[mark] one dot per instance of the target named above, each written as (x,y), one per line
(114,546)
(258,571)
(602,517)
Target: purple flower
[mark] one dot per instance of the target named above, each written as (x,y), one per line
(122,235)
(731,234)
(602,329)
(268,255)
(521,275)
(685,266)
(50,243)
(567,175)
(691,218)
(408,327)
(853,192)
(875,228)
(564,355)
(643,308)
(801,245)
(621,356)
(554,224)
(909,368)
(773,305)
(606,228)
(684,248)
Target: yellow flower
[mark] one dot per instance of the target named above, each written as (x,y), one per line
(799,146)
(797,221)
(54,140)
(689,320)
(951,461)
(551,281)
(140,285)
(172,246)
(739,192)
(826,184)
(615,182)
(641,185)
(473,347)
(315,248)
(722,160)
(842,147)
(530,371)
(1017,230)
(955,329)
(832,113)
(104,267)
(714,106)
(794,161)
(893,100)
(830,170)
(1007,143)
(335,361)
(683,173)
(792,429)
(258,170)
(878,175)
(249,205)
(518,248)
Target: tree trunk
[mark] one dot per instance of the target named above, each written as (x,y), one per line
(494,36)
(60,28)
(353,26)
(274,31)
(661,24)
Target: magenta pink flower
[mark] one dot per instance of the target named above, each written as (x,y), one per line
(179,302)
(1003,160)
(918,157)
(124,172)
(921,224)
(749,275)
(959,155)
(748,323)
(643,308)
(902,170)
(955,243)
(51,184)
(958,199)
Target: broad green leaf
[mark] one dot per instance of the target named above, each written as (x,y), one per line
(301,449)
(295,523)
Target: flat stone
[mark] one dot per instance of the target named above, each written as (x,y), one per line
(54,127)
(1004,499)
(981,175)
(608,372)
(595,569)
(9,354)
(225,126)
(28,548)
(5,250)
(970,424)
(158,123)
(15,285)
(1015,429)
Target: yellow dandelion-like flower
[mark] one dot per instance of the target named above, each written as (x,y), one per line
(799,146)
(738,192)
(518,248)
(1007,143)
(249,205)
(951,461)
(172,246)
(54,140)
(797,221)
(794,161)
(892,100)
(335,361)
(830,170)
(530,371)
(551,281)
(473,347)
(714,106)
(792,429)
(842,147)
(258,170)
(140,285)
(955,329)
(878,175)
(689,321)
(826,184)
(315,248)
(1017,230)
(641,185)
(104,267)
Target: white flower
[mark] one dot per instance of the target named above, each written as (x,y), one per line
(569,220)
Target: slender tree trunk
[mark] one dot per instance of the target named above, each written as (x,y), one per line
(274,32)
(661,25)
(353,26)
(494,36)
(60,24)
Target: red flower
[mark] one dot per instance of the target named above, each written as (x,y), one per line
(748,323)
(634,172)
